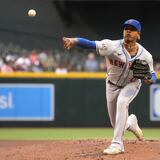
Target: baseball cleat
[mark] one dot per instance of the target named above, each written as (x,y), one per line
(134,128)
(138,133)
(113,149)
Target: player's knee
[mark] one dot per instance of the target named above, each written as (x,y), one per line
(122,103)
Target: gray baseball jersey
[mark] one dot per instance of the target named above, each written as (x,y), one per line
(118,60)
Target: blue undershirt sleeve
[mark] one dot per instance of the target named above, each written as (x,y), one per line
(154,79)
(85,43)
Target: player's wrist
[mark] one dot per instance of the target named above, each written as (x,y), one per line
(74,40)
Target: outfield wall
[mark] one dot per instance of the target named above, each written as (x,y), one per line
(68,100)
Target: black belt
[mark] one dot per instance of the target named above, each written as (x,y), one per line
(114,84)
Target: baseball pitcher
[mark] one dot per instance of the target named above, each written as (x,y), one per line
(128,63)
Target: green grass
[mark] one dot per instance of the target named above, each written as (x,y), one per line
(68,133)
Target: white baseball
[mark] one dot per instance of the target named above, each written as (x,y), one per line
(32,13)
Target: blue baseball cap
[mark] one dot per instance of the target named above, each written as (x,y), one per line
(134,23)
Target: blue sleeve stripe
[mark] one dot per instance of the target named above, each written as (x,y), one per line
(85,43)
(154,77)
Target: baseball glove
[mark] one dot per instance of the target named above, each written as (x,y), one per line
(140,69)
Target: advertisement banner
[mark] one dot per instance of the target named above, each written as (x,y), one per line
(27,102)
(155,102)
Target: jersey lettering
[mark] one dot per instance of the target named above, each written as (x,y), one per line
(116,63)
(129,64)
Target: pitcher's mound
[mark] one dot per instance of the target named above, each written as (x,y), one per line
(77,150)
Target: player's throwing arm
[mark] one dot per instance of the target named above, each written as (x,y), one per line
(82,42)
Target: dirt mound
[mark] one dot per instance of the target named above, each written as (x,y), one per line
(77,150)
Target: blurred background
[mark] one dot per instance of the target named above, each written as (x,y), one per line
(34,44)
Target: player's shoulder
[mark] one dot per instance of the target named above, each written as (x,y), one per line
(107,47)
(145,52)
